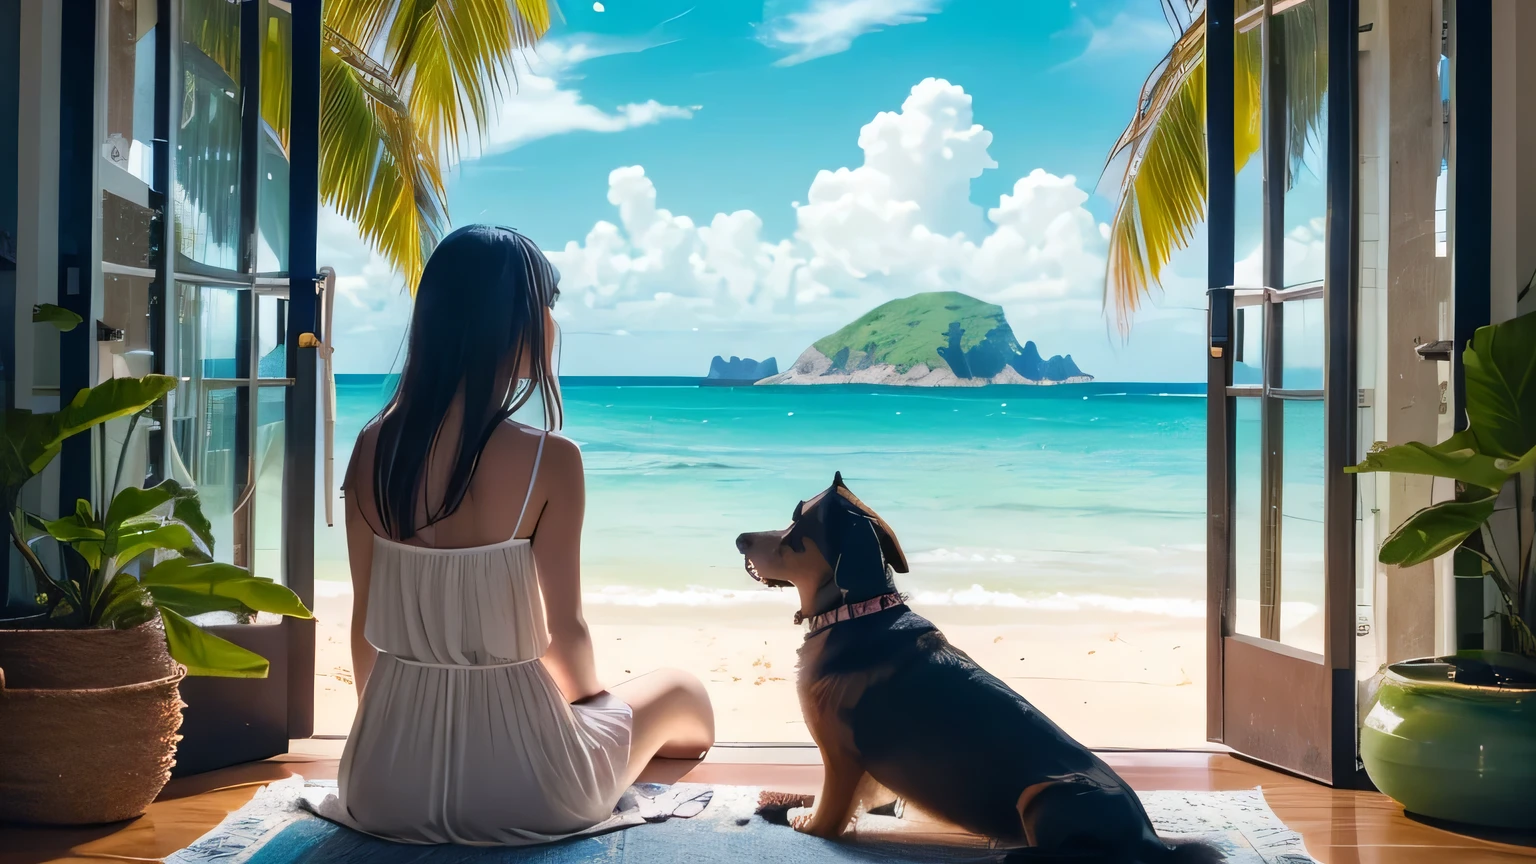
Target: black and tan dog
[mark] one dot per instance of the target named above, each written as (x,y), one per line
(890,703)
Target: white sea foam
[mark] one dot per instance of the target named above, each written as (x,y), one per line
(963,556)
(1173,607)
(976,596)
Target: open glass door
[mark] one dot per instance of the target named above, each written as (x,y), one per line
(227,321)
(1282,397)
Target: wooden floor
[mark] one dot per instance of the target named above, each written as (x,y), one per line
(1339,827)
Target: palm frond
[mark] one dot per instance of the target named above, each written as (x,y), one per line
(401,82)
(376,169)
(1301,35)
(360,22)
(277,71)
(1162,184)
(458,57)
(1159,162)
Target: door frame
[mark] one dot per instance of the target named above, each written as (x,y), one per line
(1286,707)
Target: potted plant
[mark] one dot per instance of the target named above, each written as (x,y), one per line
(89,685)
(1455,737)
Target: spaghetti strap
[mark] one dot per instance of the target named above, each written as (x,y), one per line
(532,478)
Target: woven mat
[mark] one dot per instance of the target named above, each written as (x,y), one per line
(274,829)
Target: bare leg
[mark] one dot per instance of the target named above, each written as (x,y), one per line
(672,718)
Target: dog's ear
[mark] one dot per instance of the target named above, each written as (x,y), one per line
(859,567)
(890,549)
(799,509)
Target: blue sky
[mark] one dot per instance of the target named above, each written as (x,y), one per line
(658,150)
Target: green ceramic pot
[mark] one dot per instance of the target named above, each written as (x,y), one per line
(1455,738)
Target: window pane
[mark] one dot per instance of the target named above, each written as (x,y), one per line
(1246,512)
(1301,38)
(204,442)
(1302,322)
(209,415)
(272,180)
(208,137)
(130,85)
(1248,204)
(1248,365)
(271,322)
(267,559)
(1301,527)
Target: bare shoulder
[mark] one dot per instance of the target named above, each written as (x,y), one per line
(562,456)
(362,453)
(517,444)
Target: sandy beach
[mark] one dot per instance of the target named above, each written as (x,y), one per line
(1109,679)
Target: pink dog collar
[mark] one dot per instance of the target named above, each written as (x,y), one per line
(817,623)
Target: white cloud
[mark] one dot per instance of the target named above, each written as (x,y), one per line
(1125,34)
(543,104)
(1305,257)
(372,307)
(899,223)
(824,27)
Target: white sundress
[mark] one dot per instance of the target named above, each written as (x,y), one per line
(462,736)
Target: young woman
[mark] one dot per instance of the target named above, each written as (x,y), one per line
(481,719)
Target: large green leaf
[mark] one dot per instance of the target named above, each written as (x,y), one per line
(61,318)
(188,510)
(31,441)
(132,504)
(117,397)
(1434,531)
(123,604)
(184,601)
(226,580)
(26,446)
(1500,366)
(1456,457)
(172,535)
(1517,466)
(206,654)
(69,530)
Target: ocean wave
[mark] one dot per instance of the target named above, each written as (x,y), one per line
(976,596)
(625,595)
(1172,607)
(1092,510)
(962,556)
(1120,554)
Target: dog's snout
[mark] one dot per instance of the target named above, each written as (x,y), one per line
(742,543)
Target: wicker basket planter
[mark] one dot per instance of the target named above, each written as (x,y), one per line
(90,720)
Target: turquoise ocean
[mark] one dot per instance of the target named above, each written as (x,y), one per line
(1071,498)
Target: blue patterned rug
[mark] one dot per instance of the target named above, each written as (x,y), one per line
(707,824)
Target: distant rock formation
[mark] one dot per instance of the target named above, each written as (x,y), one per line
(740,369)
(937,339)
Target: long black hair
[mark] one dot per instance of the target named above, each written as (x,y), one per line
(480,307)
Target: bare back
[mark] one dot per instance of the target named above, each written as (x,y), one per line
(521,470)
(503,480)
